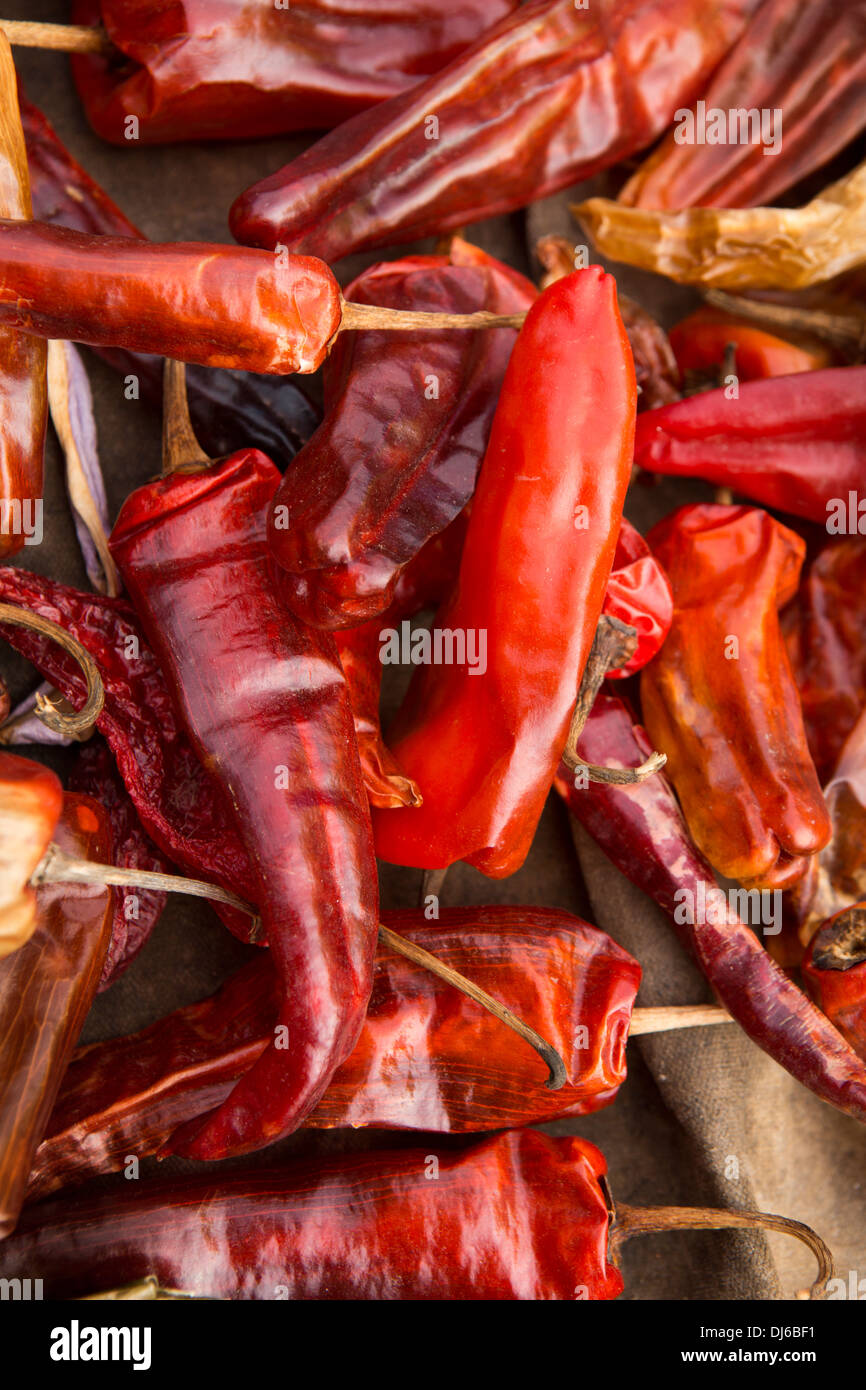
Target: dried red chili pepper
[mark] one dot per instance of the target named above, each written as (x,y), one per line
(265,705)
(720,699)
(238,69)
(180,804)
(835,973)
(31,799)
(792,442)
(825,634)
(229,409)
(136,911)
(518,1216)
(638,594)
(46,989)
(642,830)
(804,62)
(595,85)
(483,747)
(416,1063)
(23,384)
(701,341)
(364,495)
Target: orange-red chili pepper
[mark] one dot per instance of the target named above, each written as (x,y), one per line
(31,799)
(700,343)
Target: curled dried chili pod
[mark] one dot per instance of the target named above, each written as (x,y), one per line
(720,699)
(518,1216)
(407,418)
(834,971)
(642,831)
(595,85)
(785,99)
(228,408)
(46,989)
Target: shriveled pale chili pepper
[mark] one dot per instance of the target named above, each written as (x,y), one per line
(734,248)
(825,634)
(239,69)
(549,96)
(519,1216)
(427,1058)
(796,443)
(229,409)
(800,69)
(46,989)
(31,799)
(835,973)
(407,417)
(483,744)
(23,382)
(701,341)
(265,705)
(720,699)
(642,831)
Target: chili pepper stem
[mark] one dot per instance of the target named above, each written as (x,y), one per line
(628,1221)
(375,316)
(79,723)
(181,451)
(63,38)
(614,643)
(846,331)
(558,1075)
(665,1018)
(432,883)
(143,1290)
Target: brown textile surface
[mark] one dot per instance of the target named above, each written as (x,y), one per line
(695,1101)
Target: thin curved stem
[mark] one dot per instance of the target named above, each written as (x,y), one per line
(375,316)
(847,331)
(79,722)
(665,1018)
(631,1221)
(181,451)
(558,1075)
(63,38)
(612,647)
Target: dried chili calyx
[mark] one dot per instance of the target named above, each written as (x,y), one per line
(841,944)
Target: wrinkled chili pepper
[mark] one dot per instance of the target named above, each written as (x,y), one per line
(31,799)
(639,594)
(825,634)
(642,831)
(180,804)
(797,443)
(407,417)
(835,973)
(46,989)
(23,382)
(483,745)
(239,69)
(550,96)
(700,343)
(654,364)
(136,910)
(720,699)
(804,62)
(428,1058)
(229,409)
(265,705)
(734,248)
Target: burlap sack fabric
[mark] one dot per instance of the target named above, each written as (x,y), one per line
(704,1117)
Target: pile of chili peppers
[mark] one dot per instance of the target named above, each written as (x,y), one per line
(474,454)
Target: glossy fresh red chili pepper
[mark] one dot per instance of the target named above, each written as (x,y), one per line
(220,306)
(407,417)
(228,409)
(483,744)
(825,634)
(265,705)
(136,910)
(31,799)
(517,1216)
(46,989)
(428,1058)
(180,804)
(700,343)
(237,69)
(641,829)
(797,442)
(548,97)
(804,62)
(835,973)
(720,699)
